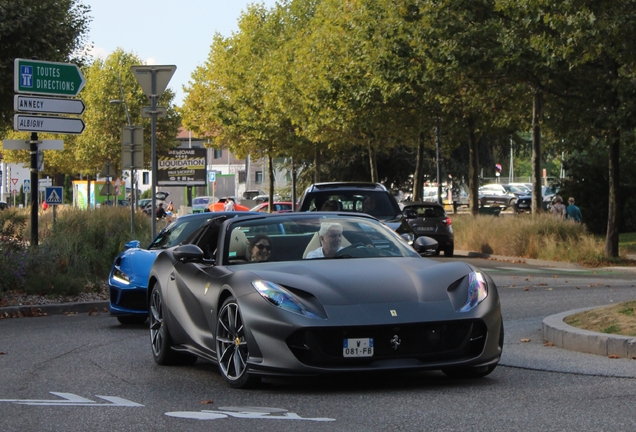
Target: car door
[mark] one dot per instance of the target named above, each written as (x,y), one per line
(193,288)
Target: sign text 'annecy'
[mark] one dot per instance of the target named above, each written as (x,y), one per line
(184,166)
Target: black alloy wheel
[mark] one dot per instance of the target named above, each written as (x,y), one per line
(160,339)
(231,346)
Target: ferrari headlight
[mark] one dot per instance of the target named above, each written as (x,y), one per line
(279,296)
(120,276)
(477,291)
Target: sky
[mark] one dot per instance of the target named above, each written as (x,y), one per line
(164,32)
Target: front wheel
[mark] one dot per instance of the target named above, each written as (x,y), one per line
(231,346)
(160,339)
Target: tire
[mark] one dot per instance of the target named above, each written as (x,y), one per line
(160,339)
(449,252)
(132,319)
(231,347)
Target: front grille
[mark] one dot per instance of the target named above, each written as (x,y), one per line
(129,299)
(427,342)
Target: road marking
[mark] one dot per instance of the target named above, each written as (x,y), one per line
(70,399)
(245,412)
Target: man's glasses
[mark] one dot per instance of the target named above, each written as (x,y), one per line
(261,246)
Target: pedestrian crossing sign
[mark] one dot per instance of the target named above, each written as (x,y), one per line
(53,195)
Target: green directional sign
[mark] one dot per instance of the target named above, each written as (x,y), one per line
(47,78)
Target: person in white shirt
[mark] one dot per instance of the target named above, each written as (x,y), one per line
(330,238)
(229,204)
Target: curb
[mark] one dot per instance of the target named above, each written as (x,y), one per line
(571,338)
(52,309)
(529,261)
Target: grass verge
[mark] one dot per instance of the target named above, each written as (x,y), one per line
(616,319)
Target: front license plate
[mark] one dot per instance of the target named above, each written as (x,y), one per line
(357,347)
(425,228)
(523,205)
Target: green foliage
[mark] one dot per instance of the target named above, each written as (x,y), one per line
(52,30)
(74,255)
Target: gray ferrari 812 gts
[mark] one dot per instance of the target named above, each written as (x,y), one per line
(318,293)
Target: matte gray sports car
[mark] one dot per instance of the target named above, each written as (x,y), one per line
(318,293)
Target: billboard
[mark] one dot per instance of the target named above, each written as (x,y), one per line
(182,167)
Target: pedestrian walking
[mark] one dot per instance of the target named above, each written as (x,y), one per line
(558,209)
(572,211)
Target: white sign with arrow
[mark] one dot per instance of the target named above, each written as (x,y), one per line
(30,123)
(41,104)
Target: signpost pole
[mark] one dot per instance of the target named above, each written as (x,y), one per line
(153,147)
(34,189)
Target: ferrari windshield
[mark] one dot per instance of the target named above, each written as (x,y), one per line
(311,236)
(176,232)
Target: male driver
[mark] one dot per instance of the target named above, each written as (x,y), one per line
(330,237)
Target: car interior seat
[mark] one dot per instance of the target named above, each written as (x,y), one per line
(429,212)
(238,246)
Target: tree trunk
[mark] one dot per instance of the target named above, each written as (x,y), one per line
(270,170)
(373,161)
(473,168)
(317,164)
(537,197)
(88,192)
(611,241)
(418,177)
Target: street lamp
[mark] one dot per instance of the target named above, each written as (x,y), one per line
(133,198)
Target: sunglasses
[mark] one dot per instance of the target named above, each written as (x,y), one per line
(261,246)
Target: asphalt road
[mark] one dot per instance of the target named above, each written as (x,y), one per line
(88,373)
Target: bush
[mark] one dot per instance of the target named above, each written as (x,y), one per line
(74,254)
(529,236)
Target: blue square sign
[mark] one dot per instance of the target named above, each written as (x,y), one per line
(53,195)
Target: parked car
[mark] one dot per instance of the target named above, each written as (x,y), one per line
(3,205)
(128,279)
(524,203)
(277,207)
(200,204)
(517,191)
(355,197)
(377,306)
(495,193)
(161,198)
(120,203)
(220,205)
(432,221)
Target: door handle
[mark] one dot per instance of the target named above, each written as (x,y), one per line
(172,276)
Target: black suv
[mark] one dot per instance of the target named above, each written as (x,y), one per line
(370,198)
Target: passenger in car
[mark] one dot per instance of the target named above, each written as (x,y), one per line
(330,238)
(260,248)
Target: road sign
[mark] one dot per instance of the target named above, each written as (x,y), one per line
(27,186)
(107,189)
(26,145)
(30,123)
(54,195)
(146,112)
(48,78)
(132,151)
(144,75)
(14,181)
(212,176)
(108,171)
(40,104)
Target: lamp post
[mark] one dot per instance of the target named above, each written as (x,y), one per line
(133,197)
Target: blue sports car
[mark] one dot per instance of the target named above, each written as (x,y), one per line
(128,279)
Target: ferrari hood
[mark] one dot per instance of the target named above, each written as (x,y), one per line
(367,280)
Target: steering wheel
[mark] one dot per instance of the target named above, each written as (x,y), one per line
(356,250)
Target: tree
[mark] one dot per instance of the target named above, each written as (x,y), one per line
(52,30)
